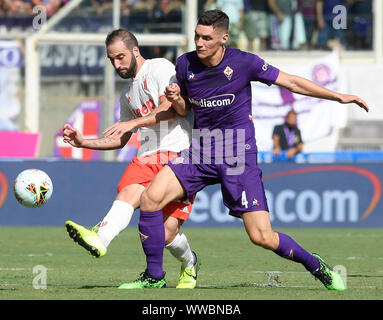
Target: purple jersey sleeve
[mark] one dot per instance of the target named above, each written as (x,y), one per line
(264,72)
(180,75)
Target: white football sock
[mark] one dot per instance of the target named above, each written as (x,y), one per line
(180,249)
(116,220)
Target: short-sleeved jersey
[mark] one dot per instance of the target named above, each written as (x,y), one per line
(142,95)
(288,138)
(221,95)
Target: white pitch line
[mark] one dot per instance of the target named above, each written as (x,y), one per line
(21,269)
(349,235)
(276,271)
(261,285)
(273,285)
(354,258)
(10,285)
(353,272)
(47,254)
(40,255)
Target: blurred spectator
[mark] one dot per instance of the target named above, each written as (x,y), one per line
(126,9)
(25,7)
(361,20)
(50,5)
(325,18)
(287,137)
(174,5)
(3,8)
(234,9)
(256,23)
(167,10)
(143,8)
(135,13)
(102,5)
(143,5)
(86,4)
(19,6)
(287,26)
(308,10)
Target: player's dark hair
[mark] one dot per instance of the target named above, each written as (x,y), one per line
(215,18)
(125,36)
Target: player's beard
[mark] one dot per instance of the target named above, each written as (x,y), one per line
(131,71)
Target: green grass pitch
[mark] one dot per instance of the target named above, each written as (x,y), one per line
(232,268)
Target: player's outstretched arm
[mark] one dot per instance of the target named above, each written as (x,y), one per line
(306,87)
(75,139)
(164,112)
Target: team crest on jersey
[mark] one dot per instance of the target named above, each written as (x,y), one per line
(178,160)
(256,203)
(143,237)
(228,72)
(191,76)
(145,83)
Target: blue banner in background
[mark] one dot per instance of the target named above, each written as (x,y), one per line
(10,54)
(70,60)
(299,195)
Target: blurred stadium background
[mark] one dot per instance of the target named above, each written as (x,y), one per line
(53,69)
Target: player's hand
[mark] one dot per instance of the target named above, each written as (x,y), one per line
(72,136)
(347,98)
(290,153)
(173,92)
(118,129)
(320,23)
(277,151)
(281,17)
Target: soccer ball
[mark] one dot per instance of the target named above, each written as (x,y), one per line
(33,188)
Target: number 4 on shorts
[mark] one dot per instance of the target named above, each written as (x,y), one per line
(245,203)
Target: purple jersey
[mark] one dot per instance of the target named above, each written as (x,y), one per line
(221,101)
(221,95)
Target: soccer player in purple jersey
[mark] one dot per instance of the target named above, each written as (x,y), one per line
(215,82)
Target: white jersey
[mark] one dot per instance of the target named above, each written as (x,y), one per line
(142,95)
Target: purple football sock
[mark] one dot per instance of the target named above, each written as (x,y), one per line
(152,234)
(289,249)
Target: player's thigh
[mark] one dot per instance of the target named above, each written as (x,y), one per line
(244,191)
(258,227)
(131,194)
(138,172)
(164,188)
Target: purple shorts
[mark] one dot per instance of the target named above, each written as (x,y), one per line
(242,187)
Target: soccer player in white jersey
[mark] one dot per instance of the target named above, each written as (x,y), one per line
(163,134)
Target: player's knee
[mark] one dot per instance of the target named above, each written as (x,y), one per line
(263,239)
(147,202)
(170,235)
(123,194)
